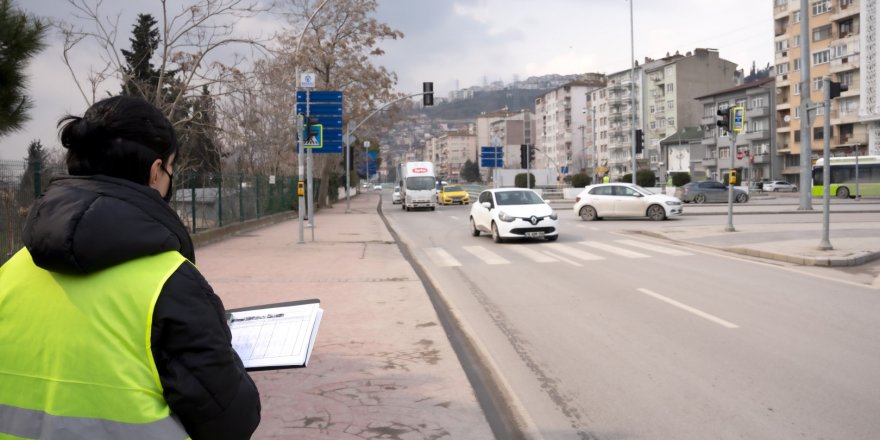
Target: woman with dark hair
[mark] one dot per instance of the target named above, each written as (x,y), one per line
(107,329)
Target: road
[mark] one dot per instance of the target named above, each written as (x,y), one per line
(606,334)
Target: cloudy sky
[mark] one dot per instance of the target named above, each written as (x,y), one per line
(462,43)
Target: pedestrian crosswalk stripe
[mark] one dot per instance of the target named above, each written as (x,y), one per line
(654,247)
(486,255)
(561,258)
(441,258)
(613,249)
(577,253)
(533,254)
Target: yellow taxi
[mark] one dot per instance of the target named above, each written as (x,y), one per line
(453,194)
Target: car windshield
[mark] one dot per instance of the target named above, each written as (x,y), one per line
(420,183)
(451,188)
(517,198)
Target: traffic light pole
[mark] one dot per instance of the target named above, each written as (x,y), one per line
(731,183)
(825,244)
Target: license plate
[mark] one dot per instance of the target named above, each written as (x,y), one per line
(535,234)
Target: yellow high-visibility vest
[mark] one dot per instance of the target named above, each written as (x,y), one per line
(75,357)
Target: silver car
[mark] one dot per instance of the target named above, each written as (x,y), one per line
(708,191)
(779,185)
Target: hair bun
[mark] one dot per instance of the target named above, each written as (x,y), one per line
(80,134)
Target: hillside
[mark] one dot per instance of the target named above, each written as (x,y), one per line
(488,101)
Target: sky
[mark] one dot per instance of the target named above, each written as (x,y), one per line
(457,44)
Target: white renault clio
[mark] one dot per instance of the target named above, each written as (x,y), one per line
(513,213)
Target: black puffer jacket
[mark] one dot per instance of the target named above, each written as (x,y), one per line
(84,224)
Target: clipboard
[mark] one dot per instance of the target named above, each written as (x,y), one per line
(275,336)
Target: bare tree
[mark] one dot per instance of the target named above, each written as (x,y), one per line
(193,51)
(339,46)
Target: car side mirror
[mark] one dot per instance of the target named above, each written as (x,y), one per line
(638,195)
(487,205)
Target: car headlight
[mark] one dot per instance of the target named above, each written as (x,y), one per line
(553,216)
(671,203)
(504,217)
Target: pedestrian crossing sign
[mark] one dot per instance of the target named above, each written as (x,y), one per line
(313,136)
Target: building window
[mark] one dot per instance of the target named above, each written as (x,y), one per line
(797,88)
(797,112)
(741,102)
(651,109)
(797,65)
(820,7)
(782,45)
(796,41)
(758,102)
(838,51)
(670,122)
(845,3)
(670,105)
(818,132)
(708,110)
(724,153)
(848,106)
(817,83)
(845,27)
(653,125)
(845,78)
(669,88)
(760,124)
(796,16)
(821,57)
(822,33)
(782,68)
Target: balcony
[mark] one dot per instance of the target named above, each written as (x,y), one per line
(710,161)
(782,80)
(843,64)
(757,134)
(780,11)
(842,12)
(762,158)
(708,120)
(757,112)
(850,139)
(708,141)
(838,118)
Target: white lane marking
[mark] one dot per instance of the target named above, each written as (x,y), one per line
(441,258)
(533,254)
(577,253)
(613,249)
(486,255)
(654,247)
(561,258)
(453,217)
(688,308)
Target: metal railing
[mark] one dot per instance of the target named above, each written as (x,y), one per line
(203,201)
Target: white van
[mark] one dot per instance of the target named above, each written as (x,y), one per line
(418,185)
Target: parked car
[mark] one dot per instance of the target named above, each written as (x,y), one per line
(513,213)
(624,200)
(708,191)
(453,194)
(395,196)
(377,186)
(779,185)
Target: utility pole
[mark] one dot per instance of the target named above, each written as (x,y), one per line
(632,94)
(806,203)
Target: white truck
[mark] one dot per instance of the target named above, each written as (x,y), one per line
(418,185)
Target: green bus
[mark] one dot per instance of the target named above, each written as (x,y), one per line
(847,180)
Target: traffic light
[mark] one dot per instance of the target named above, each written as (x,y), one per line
(836,88)
(731,177)
(427,94)
(724,122)
(531,154)
(640,141)
(313,133)
(523,156)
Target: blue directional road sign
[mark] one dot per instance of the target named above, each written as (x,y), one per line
(492,157)
(325,106)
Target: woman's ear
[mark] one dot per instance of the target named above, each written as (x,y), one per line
(155,170)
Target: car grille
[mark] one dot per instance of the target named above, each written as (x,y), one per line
(522,231)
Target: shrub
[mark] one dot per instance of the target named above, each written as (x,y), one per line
(680,179)
(520,180)
(645,178)
(580,180)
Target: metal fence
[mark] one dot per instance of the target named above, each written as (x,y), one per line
(203,201)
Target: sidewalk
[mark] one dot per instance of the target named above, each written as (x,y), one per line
(382,366)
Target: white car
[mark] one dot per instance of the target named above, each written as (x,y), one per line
(513,213)
(377,186)
(624,200)
(395,196)
(779,185)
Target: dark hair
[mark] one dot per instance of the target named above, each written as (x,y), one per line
(120,137)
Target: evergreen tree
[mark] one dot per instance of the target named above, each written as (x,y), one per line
(21,37)
(141,77)
(37,160)
(470,171)
(202,150)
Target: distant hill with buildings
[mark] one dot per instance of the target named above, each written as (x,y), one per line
(483,101)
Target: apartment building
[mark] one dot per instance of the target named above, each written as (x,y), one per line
(451,150)
(869,106)
(671,89)
(835,42)
(557,113)
(754,153)
(510,129)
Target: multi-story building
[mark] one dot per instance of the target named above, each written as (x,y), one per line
(671,89)
(754,153)
(452,150)
(554,113)
(609,122)
(835,40)
(869,107)
(511,133)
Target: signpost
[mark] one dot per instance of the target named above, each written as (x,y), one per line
(492,157)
